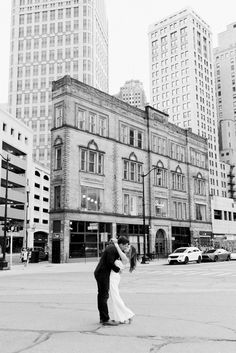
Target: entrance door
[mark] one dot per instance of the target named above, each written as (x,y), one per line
(160,244)
(56,251)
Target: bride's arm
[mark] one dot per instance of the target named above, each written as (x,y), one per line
(122,255)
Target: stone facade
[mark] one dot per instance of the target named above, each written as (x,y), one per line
(102,151)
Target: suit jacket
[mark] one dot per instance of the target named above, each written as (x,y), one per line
(106,263)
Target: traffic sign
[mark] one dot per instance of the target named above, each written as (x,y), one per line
(92,228)
(104,237)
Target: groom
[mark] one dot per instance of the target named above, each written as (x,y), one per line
(102,275)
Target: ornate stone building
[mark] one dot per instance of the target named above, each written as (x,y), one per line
(101,148)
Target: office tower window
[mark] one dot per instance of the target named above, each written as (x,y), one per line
(52,15)
(27,98)
(60,27)
(35,70)
(76,11)
(38,32)
(44,16)
(60,13)
(68,12)
(52,28)
(22,19)
(34,112)
(68,26)
(52,41)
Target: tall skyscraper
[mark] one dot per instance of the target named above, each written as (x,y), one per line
(48,40)
(225,71)
(133,93)
(182,81)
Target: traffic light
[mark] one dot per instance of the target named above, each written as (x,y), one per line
(146,229)
(8,227)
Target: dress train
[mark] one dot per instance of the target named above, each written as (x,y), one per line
(121,312)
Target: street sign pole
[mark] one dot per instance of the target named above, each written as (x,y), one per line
(94,226)
(11,241)
(98,244)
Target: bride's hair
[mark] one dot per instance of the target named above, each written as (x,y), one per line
(132,258)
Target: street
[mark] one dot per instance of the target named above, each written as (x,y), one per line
(181,308)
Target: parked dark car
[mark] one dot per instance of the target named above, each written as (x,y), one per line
(216,255)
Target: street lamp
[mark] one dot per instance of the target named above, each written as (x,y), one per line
(144,225)
(3,262)
(26,215)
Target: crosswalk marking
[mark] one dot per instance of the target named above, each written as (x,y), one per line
(187,272)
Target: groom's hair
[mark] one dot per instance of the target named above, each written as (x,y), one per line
(123,240)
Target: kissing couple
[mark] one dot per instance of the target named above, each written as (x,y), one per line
(118,255)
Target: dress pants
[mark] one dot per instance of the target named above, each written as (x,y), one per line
(103,295)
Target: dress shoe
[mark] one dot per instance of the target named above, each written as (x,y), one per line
(110,323)
(128,321)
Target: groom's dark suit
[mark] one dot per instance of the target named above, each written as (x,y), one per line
(102,275)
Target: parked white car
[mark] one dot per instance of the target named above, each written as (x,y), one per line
(185,255)
(233,256)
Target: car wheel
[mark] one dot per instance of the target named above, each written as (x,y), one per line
(186,260)
(199,260)
(171,263)
(216,258)
(228,258)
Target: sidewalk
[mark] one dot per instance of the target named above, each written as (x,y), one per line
(80,266)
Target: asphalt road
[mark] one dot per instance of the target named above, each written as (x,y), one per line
(49,308)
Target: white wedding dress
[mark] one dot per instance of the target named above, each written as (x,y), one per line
(120,311)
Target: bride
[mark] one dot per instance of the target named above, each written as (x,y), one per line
(121,312)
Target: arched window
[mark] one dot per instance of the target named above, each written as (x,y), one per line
(160,176)
(199,185)
(178,179)
(58,153)
(91,159)
(132,169)
(92,145)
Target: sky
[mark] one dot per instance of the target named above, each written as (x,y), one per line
(128,35)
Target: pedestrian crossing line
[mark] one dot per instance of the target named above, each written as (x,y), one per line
(223,274)
(189,273)
(210,273)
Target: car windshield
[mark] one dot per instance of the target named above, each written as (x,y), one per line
(180,250)
(210,251)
